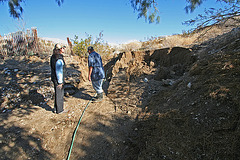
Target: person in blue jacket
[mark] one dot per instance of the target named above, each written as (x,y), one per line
(57,64)
(96,73)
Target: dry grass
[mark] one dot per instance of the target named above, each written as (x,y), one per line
(180,40)
(132,46)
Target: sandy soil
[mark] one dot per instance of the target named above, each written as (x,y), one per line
(174,103)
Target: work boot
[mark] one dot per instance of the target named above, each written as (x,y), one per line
(98,98)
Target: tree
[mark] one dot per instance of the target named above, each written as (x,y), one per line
(16,9)
(212,16)
(148,9)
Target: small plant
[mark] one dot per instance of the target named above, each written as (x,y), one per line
(80,47)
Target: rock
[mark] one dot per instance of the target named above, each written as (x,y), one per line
(145,80)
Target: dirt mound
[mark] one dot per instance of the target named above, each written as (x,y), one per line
(198,117)
(172,103)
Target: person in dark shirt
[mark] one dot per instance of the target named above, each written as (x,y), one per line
(57,64)
(96,73)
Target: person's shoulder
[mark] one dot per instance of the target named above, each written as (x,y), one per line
(96,53)
(59,61)
(51,58)
(92,54)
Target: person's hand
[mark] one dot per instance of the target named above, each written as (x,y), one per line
(89,78)
(60,86)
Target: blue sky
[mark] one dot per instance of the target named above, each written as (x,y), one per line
(116,18)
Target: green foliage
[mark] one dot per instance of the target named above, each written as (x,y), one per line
(59,2)
(144,9)
(80,46)
(15,8)
(193,4)
(212,16)
(148,10)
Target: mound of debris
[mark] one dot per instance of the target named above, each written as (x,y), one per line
(198,116)
(26,81)
(185,102)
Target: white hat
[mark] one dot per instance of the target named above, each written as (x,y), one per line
(58,46)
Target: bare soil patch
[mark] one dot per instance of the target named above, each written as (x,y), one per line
(174,103)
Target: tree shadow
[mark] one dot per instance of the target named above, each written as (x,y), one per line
(145,84)
(25,88)
(82,94)
(17,143)
(27,84)
(38,100)
(113,141)
(106,142)
(22,82)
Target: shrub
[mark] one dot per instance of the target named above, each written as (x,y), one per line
(80,47)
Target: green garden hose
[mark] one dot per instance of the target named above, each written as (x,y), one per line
(75,131)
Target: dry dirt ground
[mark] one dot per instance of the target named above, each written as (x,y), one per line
(174,103)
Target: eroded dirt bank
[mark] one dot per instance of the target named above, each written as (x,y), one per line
(197,117)
(173,103)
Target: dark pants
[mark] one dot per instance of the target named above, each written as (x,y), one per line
(58,103)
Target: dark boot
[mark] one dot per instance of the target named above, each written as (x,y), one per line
(98,98)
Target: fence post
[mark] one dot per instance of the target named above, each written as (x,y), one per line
(70,45)
(35,40)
